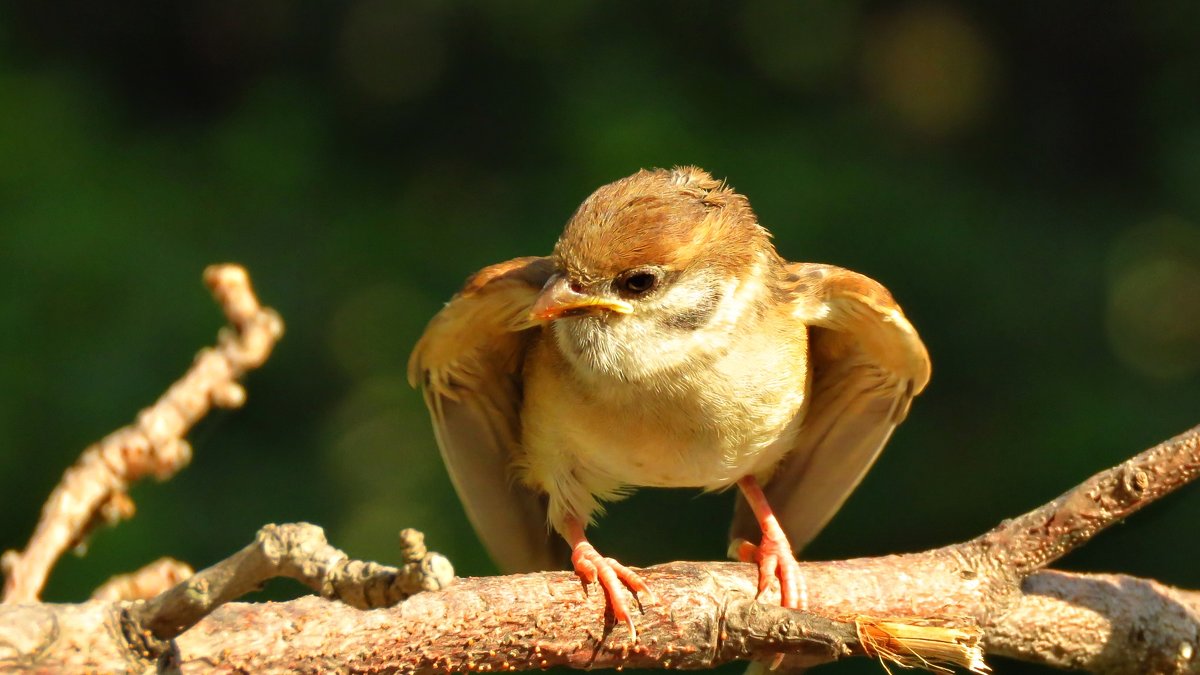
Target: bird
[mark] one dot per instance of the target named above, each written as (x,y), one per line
(663,343)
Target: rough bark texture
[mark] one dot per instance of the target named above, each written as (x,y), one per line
(1102,623)
(298,551)
(706,616)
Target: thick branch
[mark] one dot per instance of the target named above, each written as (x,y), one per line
(1100,623)
(706,615)
(1103,623)
(93,490)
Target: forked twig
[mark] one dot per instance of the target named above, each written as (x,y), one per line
(95,489)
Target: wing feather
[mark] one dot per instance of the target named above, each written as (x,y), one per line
(866,362)
(468,362)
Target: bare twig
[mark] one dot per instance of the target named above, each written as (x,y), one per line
(144,583)
(1038,538)
(94,489)
(298,551)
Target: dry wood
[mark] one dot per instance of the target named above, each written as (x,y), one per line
(706,613)
(1100,623)
(94,490)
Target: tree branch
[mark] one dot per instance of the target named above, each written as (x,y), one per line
(298,551)
(94,489)
(1038,538)
(1103,623)
(706,615)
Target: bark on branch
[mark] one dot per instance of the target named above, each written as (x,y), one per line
(706,614)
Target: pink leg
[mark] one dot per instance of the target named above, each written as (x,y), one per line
(774,556)
(591,566)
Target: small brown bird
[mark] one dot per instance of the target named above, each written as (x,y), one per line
(664,343)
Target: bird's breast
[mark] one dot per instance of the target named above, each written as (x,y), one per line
(694,427)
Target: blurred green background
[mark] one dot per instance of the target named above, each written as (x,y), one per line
(1023,176)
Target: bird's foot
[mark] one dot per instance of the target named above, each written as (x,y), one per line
(775,559)
(613,576)
(774,555)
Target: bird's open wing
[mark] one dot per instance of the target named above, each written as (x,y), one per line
(866,363)
(468,363)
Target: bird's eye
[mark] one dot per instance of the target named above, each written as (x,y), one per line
(637,283)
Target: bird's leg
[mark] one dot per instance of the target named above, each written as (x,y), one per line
(774,556)
(591,566)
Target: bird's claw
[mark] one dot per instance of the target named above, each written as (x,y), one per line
(613,576)
(775,560)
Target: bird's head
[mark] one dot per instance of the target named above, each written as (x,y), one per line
(654,271)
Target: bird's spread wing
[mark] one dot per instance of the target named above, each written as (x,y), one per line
(867,363)
(468,363)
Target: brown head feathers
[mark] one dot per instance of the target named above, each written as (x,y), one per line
(661,218)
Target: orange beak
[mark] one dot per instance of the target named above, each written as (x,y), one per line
(558,300)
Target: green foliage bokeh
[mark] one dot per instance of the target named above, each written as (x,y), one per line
(1024,178)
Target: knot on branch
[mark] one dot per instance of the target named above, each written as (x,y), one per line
(423,570)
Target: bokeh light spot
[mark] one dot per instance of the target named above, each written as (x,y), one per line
(931,69)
